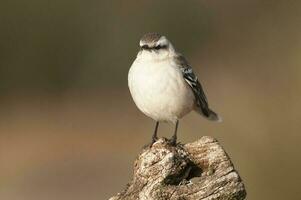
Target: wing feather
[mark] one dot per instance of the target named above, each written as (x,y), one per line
(193,82)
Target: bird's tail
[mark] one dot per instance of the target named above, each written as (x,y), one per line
(214,116)
(209,114)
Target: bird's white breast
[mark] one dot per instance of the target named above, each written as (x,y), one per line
(159,89)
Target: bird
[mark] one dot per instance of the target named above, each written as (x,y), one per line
(163,85)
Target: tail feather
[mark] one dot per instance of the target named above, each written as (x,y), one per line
(214,116)
(209,114)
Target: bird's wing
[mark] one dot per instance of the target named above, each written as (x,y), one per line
(192,80)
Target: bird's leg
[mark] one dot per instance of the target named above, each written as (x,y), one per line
(174,137)
(154,137)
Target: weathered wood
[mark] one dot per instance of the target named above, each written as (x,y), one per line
(199,170)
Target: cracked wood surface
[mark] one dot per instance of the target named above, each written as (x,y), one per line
(198,170)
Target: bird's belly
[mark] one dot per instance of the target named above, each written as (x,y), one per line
(160,91)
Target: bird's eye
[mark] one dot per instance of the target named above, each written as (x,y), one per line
(145,47)
(160,47)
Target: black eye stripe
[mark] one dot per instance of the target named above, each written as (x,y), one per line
(146,47)
(160,47)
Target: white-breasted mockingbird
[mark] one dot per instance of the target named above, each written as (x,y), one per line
(163,84)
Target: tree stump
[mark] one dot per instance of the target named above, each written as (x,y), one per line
(199,170)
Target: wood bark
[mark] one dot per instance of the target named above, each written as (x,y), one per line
(199,170)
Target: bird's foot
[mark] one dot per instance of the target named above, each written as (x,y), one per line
(154,139)
(173,141)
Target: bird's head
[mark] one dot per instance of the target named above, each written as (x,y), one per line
(155,46)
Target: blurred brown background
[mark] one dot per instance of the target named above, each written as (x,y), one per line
(69,128)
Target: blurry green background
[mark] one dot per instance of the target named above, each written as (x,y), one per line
(69,128)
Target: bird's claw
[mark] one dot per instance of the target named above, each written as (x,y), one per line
(173,141)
